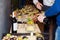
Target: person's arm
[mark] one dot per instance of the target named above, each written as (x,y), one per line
(54,10)
(37,4)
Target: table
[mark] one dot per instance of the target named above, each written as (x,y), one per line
(22,28)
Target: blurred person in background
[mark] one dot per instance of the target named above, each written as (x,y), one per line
(45,5)
(54,10)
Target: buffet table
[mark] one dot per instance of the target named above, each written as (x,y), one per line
(25,31)
(26,27)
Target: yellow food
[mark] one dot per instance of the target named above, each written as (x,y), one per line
(19,38)
(30,22)
(19,17)
(30,28)
(39,35)
(8,35)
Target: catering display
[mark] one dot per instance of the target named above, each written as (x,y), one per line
(26,13)
(24,27)
(24,16)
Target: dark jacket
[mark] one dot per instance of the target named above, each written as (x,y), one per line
(54,10)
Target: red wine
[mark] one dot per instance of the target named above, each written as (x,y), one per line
(14,27)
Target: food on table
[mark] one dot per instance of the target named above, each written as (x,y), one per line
(19,18)
(25,38)
(5,38)
(28,10)
(19,38)
(30,21)
(8,35)
(39,36)
(22,37)
(11,38)
(30,28)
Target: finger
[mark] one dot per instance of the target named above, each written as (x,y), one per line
(40,4)
(40,8)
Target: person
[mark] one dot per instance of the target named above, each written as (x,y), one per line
(54,10)
(46,4)
(43,6)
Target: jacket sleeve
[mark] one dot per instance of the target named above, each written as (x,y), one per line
(54,10)
(35,1)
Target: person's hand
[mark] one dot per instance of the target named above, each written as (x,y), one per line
(39,5)
(41,18)
(35,17)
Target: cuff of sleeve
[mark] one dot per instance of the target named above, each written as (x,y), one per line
(44,14)
(35,1)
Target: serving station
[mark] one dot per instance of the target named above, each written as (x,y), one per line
(23,25)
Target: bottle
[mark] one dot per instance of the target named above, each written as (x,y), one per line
(14,27)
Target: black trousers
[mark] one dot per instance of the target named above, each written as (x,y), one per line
(46,25)
(44,9)
(46,29)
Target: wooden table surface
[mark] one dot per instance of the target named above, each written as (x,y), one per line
(22,28)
